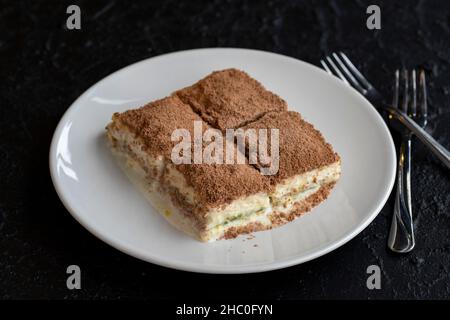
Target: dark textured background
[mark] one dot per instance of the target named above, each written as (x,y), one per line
(45,67)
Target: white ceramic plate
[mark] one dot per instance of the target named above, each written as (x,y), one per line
(98,194)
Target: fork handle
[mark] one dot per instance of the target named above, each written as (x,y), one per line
(439,150)
(401,236)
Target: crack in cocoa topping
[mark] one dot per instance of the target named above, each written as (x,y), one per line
(230,98)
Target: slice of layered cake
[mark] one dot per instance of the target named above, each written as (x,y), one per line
(307,166)
(207,201)
(207,186)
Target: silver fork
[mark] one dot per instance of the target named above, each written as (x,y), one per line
(340,65)
(401,236)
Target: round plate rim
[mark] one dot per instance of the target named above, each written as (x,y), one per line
(219,269)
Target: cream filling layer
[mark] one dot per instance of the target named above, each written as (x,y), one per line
(301,186)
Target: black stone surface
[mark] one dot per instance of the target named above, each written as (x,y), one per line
(45,67)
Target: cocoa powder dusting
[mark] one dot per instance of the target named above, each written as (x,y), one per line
(230,98)
(302,147)
(217,184)
(155,122)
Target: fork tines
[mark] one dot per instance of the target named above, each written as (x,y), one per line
(411,98)
(340,65)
